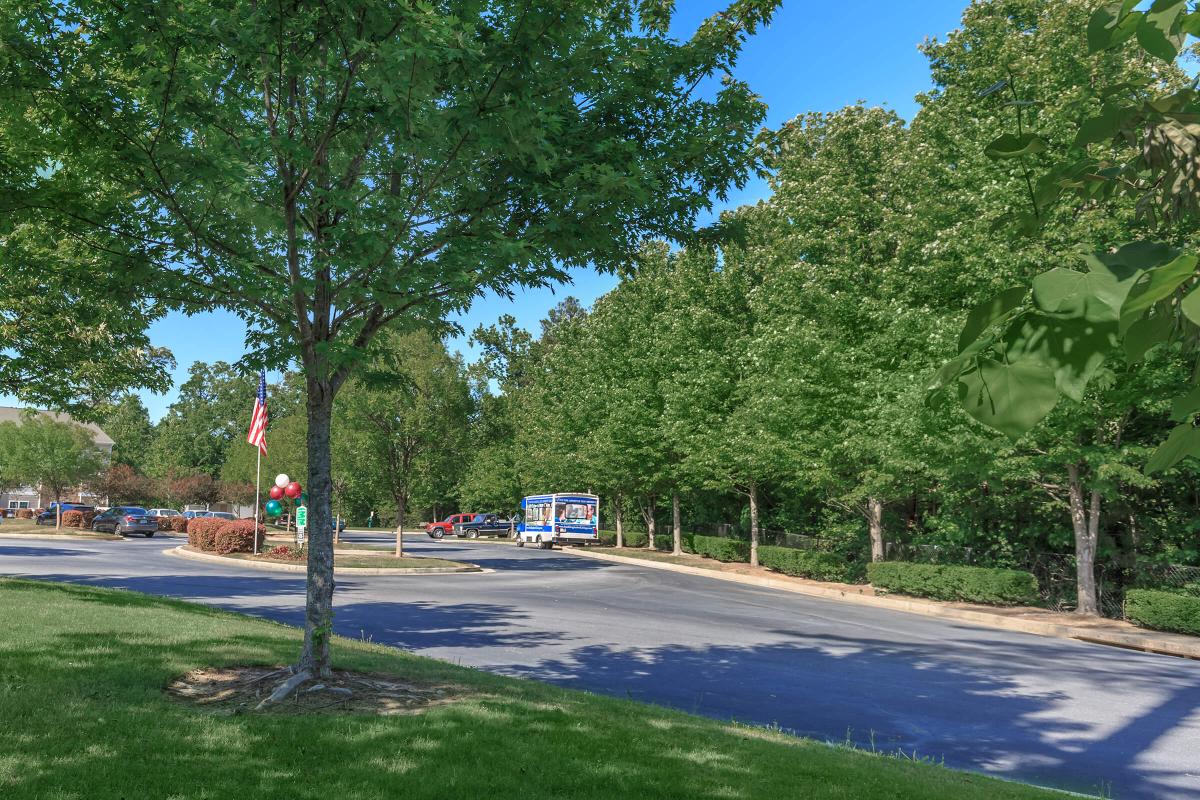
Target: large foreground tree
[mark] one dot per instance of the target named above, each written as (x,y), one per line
(325,170)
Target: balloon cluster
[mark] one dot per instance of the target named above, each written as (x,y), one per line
(284,487)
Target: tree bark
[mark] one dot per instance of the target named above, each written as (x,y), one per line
(401,503)
(875,526)
(676,526)
(753,492)
(318,608)
(648,518)
(619,520)
(57,512)
(1086,525)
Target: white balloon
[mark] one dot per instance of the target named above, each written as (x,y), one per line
(282,480)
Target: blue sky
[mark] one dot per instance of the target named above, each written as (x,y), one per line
(813,57)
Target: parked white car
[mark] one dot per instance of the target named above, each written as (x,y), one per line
(163,512)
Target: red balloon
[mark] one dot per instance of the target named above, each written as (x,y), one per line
(293,490)
(276,493)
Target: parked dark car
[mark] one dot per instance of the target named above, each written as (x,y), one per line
(486,525)
(124,520)
(46,517)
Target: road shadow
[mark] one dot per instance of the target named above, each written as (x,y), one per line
(20,551)
(893,697)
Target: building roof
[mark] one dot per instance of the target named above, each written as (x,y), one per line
(12,414)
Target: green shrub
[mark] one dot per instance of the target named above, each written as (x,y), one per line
(721,549)
(945,582)
(817,565)
(635,539)
(1164,611)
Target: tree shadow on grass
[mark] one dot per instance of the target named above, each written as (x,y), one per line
(86,716)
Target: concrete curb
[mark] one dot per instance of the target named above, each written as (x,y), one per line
(181,552)
(1150,642)
(53,536)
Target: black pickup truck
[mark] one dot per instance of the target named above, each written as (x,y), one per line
(486,525)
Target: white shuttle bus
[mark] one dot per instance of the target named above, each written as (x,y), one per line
(563,518)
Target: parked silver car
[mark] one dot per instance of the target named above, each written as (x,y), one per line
(124,520)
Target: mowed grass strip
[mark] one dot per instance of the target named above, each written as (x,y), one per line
(363,560)
(31,528)
(82,672)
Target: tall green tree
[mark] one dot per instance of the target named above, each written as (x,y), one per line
(401,427)
(54,455)
(327,170)
(127,422)
(210,414)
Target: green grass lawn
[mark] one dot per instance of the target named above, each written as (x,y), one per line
(82,672)
(28,526)
(358,558)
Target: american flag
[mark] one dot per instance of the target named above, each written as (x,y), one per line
(258,420)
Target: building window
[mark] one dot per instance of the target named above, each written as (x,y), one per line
(18,504)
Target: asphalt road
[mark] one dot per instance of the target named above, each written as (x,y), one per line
(1049,711)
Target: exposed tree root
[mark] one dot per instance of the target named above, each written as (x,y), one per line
(283,690)
(257,689)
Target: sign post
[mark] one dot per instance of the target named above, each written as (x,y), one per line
(301,523)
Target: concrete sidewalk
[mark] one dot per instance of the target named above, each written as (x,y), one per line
(1019,618)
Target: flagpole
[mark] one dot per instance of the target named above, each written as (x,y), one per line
(257,496)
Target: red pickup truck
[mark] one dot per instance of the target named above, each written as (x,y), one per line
(437,530)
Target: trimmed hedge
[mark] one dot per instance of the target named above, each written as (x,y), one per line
(24,513)
(1163,611)
(164,523)
(817,565)
(238,536)
(179,524)
(721,549)
(88,518)
(72,519)
(946,582)
(202,532)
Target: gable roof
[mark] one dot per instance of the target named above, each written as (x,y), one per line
(13,414)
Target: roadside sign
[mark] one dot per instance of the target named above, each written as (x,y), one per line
(301,518)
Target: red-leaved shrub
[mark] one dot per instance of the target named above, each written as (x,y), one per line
(88,516)
(164,523)
(179,524)
(238,536)
(202,533)
(72,519)
(25,513)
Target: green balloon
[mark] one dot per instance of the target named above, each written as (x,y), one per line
(274,509)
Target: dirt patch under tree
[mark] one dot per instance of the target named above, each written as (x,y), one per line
(240,690)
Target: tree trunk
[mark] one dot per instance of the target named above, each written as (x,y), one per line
(57,512)
(875,525)
(753,492)
(1086,527)
(676,527)
(318,608)
(648,518)
(401,503)
(619,520)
